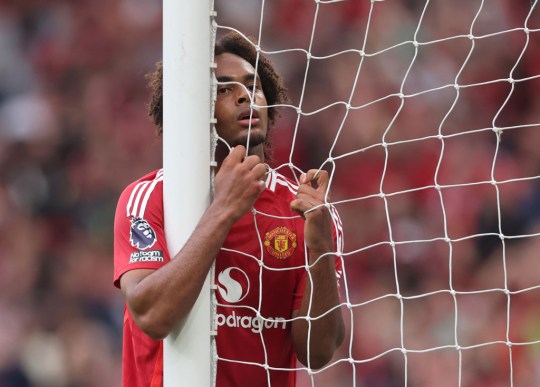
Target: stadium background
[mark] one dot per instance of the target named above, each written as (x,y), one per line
(74,132)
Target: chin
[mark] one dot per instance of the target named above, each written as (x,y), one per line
(255,140)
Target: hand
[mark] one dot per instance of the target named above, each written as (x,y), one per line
(239,182)
(318,222)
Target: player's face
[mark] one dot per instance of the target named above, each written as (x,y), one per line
(233,103)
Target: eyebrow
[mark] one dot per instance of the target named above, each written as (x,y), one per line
(246,78)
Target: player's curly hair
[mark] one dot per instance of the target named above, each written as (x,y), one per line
(233,43)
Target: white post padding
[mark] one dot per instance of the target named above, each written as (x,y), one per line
(186,163)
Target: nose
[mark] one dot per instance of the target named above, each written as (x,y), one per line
(242,96)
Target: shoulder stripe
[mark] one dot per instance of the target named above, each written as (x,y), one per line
(339,229)
(134,192)
(143,187)
(271,180)
(148,193)
(275,178)
(138,198)
(289,183)
(281,181)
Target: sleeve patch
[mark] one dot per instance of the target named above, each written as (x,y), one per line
(141,234)
(146,256)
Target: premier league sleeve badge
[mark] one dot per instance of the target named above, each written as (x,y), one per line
(141,234)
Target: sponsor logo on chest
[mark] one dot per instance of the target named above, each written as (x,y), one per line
(280,242)
(233,286)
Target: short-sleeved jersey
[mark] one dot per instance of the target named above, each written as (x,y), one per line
(260,276)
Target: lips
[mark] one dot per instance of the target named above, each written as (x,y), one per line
(247,116)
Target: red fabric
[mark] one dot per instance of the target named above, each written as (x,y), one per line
(262,247)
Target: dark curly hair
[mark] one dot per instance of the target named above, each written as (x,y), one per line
(233,43)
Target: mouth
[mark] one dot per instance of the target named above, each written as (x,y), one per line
(248,117)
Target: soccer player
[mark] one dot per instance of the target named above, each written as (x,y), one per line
(260,259)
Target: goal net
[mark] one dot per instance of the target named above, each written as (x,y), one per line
(426,114)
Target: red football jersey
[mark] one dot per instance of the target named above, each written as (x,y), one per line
(259,274)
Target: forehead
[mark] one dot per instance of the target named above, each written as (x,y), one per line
(230,65)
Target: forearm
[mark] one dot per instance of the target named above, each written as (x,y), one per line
(165,297)
(158,300)
(321,335)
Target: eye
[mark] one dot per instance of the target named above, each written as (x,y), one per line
(252,88)
(223,89)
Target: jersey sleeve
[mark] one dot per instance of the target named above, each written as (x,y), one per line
(139,236)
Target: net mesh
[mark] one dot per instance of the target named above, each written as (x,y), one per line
(425,113)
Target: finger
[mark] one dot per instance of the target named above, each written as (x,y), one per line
(259,171)
(298,206)
(319,176)
(310,200)
(322,180)
(252,161)
(309,177)
(312,196)
(236,154)
(308,190)
(305,202)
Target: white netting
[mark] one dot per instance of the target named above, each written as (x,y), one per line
(426,113)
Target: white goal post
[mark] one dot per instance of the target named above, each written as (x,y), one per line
(186,163)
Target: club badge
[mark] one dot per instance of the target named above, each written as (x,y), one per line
(280,242)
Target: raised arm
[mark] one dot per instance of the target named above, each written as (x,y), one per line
(160,299)
(327,332)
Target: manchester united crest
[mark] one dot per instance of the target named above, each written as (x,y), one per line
(280,242)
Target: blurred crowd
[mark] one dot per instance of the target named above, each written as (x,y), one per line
(74,132)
